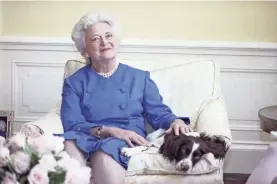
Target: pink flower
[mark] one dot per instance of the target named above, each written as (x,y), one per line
(20,161)
(9,179)
(2,140)
(48,162)
(79,175)
(17,142)
(38,175)
(64,162)
(75,172)
(4,155)
(46,144)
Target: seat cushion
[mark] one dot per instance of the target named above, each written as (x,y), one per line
(210,178)
(155,164)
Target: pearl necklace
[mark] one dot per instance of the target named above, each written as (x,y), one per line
(108,74)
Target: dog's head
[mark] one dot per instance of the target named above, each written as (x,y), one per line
(187,149)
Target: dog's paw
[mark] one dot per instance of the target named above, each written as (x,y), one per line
(128,152)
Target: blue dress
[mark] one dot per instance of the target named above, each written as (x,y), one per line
(123,100)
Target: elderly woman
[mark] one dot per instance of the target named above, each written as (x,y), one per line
(105,103)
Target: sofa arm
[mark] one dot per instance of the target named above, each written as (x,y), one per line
(213,119)
(48,124)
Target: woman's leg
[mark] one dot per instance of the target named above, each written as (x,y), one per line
(105,170)
(74,151)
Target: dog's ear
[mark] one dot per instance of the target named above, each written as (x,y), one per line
(170,146)
(215,145)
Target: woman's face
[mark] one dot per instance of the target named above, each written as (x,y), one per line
(101,43)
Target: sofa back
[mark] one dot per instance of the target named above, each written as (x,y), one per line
(185,85)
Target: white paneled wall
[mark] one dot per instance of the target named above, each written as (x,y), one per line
(31,72)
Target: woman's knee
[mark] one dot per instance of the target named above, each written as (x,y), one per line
(70,146)
(105,170)
(72,149)
(101,157)
(69,143)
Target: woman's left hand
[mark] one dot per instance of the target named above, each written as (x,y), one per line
(179,126)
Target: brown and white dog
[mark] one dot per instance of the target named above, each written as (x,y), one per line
(185,150)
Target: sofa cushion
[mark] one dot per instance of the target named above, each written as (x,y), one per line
(72,66)
(185,85)
(156,164)
(211,178)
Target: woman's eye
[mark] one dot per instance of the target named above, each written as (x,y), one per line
(109,35)
(95,39)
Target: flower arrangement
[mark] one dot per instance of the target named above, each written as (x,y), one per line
(39,160)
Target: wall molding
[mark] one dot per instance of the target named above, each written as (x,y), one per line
(249,70)
(14,90)
(147,46)
(249,145)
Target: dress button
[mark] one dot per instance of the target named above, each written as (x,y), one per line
(123,90)
(79,129)
(123,106)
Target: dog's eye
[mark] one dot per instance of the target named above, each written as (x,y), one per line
(196,156)
(186,150)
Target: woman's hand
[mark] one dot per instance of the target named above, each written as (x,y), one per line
(179,126)
(130,137)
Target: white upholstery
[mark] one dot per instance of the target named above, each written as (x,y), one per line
(190,88)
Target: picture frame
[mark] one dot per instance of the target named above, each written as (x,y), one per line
(6,123)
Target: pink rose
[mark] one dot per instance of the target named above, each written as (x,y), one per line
(48,162)
(38,175)
(4,155)
(17,142)
(46,144)
(9,179)
(20,161)
(2,140)
(80,175)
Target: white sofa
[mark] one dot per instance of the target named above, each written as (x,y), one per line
(191,88)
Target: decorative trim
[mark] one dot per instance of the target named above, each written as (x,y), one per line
(246,128)
(147,46)
(15,64)
(237,178)
(249,145)
(24,119)
(249,70)
(65,41)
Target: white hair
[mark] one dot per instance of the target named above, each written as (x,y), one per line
(88,20)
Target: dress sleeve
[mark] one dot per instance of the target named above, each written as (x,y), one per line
(157,113)
(71,115)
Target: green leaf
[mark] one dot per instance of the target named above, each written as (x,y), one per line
(58,158)
(28,150)
(23,180)
(57,177)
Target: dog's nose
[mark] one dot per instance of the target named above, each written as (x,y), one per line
(184,167)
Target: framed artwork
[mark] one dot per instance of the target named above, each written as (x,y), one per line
(6,123)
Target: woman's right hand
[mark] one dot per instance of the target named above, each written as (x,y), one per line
(130,137)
